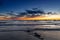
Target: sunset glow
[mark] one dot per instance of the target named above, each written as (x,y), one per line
(43,17)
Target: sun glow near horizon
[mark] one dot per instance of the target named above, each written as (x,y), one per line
(41,17)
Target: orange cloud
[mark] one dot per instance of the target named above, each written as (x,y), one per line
(5,18)
(44,17)
(30,18)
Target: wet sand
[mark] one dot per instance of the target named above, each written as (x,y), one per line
(49,35)
(16,35)
(20,35)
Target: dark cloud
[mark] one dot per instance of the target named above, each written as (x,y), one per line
(31,13)
(22,14)
(35,10)
(28,13)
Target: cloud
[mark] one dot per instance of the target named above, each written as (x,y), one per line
(27,13)
(31,13)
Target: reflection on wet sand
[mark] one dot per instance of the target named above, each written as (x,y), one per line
(32,28)
(50,35)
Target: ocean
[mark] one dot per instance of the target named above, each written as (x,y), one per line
(24,30)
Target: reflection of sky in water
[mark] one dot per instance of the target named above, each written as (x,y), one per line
(34,24)
(47,35)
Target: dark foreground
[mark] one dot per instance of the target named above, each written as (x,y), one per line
(16,35)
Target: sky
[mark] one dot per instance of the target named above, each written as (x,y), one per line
(22,5)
